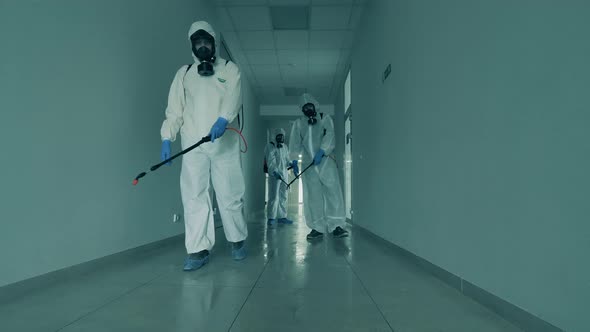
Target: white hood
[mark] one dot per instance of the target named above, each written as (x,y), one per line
(278,131)
(307,98)
(202,25)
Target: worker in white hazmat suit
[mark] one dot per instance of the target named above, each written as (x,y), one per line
(204,98)
(312,136)
(278,160)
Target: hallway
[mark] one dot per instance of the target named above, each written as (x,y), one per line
(286,284)
(457,132)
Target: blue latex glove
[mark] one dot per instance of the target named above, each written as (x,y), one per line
(295,167)
(318,157)
(218,129)
(277,175)
(165,153)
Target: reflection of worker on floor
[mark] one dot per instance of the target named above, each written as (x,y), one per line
(314,139)
(277,158)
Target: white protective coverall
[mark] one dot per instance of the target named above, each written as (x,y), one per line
(277,159)
(194,104)
(323,204)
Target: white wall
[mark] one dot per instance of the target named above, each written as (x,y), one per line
(83,88)
(475,153)
(252,161)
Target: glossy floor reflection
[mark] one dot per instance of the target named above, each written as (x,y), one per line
(286,284)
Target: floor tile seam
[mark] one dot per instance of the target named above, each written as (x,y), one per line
(370,296)
(249,294)
(107,303)
(304,288)
(163,283)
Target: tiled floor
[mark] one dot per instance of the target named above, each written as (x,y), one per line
(286,284)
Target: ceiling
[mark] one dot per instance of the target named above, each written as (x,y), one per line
(287,47)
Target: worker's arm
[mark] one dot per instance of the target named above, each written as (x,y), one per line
(295,141)
(329,139)
(271,159)
(230,106)
(175,108)
(287,155)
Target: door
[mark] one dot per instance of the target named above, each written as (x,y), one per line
(348,164)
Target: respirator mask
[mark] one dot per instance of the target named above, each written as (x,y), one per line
(309,111)
(203,45)
(280,138)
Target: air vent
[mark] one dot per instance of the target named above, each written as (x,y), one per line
(289,18)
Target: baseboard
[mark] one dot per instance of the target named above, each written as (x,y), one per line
(512,313)
(518,316)
(20,288)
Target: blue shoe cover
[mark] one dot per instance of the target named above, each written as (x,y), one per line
(191,264)
(239,254)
